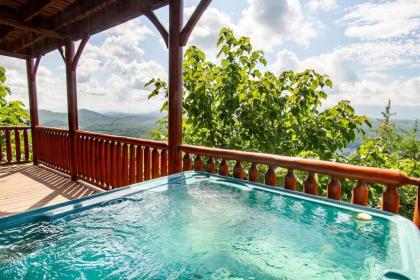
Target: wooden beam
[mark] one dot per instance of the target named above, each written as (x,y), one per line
(33,8)
(12,54)
(31,70)
(175,87)
(61,51)
(188,28)
(15,22)
(82,45)
(162,30)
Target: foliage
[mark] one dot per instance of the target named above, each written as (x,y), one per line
(11,112)
(237,104)
(391,149)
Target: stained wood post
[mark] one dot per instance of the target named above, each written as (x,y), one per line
(175,86)
(71,104)
(33,105)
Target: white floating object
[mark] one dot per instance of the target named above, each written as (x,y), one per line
(364,217)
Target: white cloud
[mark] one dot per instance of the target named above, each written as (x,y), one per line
(353,76)
(321,5)
(271,23)
(382,20)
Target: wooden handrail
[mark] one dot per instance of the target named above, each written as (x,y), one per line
(14,127)
(52,129)
(127,140)
(368,174)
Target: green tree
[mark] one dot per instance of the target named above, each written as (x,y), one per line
(11,112)
(238,104)
(391,149)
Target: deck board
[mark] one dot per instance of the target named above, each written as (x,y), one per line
(25,187)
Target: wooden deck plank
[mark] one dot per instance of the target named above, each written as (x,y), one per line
(26,187)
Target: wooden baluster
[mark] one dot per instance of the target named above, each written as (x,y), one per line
(88,155)
(211,166)
(77,151)
(26,144)
(102,163)
(290,180)
(17,145)
(146,163)
(334,188)
(270,177)
(391,199)
(186,162)
(238,170)
(8,146)
(93,160)
(416,216)
(224,168)
(155,163)
(132,164)
(139,164)
(310,185)
(85,157)
(198,163)
(253,173)
(114,164)
(108,164)
(164,163)
(359,194)
(125,175)
(118,164)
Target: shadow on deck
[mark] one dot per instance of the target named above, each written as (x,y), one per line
(25,187)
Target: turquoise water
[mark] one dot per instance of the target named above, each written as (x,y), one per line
(203,230)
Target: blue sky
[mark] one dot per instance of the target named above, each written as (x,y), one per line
(371,50)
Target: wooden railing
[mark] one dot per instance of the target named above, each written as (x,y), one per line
(110,161)
(391,179)
(53,148)
(16,144)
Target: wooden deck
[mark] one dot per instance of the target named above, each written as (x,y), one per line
(25,187)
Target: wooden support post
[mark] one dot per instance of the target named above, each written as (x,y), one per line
(175,86)
(31,70)
(71,104)
(71,58)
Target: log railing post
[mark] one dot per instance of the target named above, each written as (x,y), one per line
(253,174)
(238,170)
(31,70)
(359,194)
(175,86)
(270,176)
(211,166)
(187,164)
(334,189)
(310,185)
(290,180)
(391,199)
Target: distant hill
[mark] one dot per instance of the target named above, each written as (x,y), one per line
(140,125)
(133,125)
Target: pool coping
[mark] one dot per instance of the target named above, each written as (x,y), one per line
(408,233)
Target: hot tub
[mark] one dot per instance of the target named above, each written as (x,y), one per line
(202,226)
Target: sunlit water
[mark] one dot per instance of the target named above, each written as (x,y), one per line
(204,230)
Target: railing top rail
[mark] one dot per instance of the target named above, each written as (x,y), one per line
(127,140)
(14,127)
(368,174)
(52,129)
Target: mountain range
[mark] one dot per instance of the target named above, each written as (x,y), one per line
(133,125)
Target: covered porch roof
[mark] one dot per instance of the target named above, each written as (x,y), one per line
(31,28)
